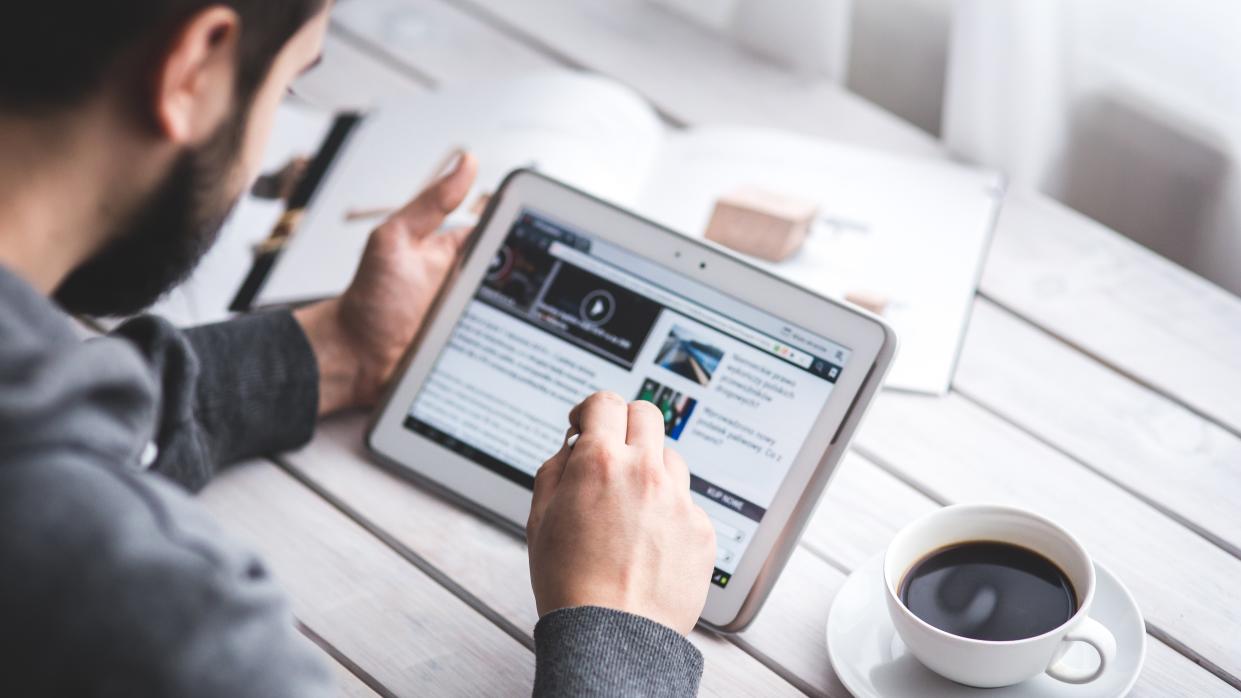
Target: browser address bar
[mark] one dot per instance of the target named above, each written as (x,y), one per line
(696,312)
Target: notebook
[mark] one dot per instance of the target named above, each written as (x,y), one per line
(913,232)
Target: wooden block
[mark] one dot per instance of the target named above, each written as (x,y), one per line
(761,223)
(876,303)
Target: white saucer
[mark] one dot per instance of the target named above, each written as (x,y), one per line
(872,662)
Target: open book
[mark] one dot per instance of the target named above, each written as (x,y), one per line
(912,231)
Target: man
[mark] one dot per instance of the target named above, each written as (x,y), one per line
(127,130)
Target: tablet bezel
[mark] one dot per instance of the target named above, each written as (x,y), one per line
(871,342)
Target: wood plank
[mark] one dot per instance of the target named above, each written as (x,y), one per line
(958,452)
(350,685)
(1120,302)
(438,44)
(349,679)
(349,78)
(792,626)
(863,508)
(635,42)
(482,559)
(1169,673)
(1144,442)
(404,629)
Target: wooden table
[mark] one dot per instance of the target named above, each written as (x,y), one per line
(1099,385)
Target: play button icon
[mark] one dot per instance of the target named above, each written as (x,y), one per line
(597,307)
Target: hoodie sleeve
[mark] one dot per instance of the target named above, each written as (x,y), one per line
(594,651)
(228,391)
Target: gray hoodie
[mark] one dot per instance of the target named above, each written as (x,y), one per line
(115,582)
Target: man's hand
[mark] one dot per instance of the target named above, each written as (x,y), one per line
(359,337)
(612,523)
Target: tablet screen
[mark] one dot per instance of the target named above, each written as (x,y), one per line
(560,315)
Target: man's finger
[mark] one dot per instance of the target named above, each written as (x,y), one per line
(545,482)
(678,470)
(424,215)
(603,416)
(456,237)
(646,426)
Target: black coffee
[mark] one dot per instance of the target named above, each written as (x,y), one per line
(989,591)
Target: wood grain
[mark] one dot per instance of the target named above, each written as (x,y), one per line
(1180,462)
(487,562)
(436,43)
(349,78)
(636,42)
(350,685)
(1120,302)
(861,510)
(405,630)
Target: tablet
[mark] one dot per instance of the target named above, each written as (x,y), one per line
(560,295)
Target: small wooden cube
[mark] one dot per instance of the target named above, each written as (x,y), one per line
(873,301)
(761,223)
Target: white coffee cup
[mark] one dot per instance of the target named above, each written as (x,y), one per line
(985,663)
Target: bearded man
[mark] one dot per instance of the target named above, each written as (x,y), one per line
(128,129)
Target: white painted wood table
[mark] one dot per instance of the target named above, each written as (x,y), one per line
(1099,385)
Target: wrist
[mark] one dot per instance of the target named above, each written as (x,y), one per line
(339,366)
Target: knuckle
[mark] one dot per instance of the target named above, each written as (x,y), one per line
(672,458)
(600,459)
(649,477)
(604,397)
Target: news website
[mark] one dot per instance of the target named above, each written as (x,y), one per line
(560,315)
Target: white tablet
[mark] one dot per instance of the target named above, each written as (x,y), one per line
(560,295)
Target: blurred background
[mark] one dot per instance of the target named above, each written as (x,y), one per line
(1128,111)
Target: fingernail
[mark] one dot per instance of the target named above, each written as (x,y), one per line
(451,164)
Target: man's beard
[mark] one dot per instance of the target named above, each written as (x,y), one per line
(164,239)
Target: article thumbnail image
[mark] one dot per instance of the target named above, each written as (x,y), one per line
(676,407)
(516,273)
(686,355)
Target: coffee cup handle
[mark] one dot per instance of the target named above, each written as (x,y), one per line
(1091,632)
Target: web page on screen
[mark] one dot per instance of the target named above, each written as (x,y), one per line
(560,315)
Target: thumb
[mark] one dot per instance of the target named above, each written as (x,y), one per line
(425,213)
(456,237)
(546,481)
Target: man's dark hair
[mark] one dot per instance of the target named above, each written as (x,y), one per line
(59,53)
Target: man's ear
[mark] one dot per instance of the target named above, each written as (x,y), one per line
(195,76)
